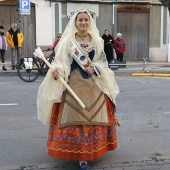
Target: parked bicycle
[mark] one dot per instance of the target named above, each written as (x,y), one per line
(29,69)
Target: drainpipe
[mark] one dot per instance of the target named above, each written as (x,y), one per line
(53,20)
(168,13)
(113,20)
(161,30)
(113,27)
(60,16)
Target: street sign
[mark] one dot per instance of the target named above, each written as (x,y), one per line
(25,7)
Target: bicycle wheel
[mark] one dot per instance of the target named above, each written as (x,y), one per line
(51,57)
(44,66)
(28,75)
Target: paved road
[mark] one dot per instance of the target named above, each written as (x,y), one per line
(143,138)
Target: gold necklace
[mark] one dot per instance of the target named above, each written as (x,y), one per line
(82,38)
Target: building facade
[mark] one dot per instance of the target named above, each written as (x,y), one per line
(143,23)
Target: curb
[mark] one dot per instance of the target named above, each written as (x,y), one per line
(9,73)
(152,74)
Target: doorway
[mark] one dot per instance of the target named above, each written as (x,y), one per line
(134,27)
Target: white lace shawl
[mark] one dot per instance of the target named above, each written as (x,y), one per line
(51,90)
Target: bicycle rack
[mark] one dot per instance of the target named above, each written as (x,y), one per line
(144,65)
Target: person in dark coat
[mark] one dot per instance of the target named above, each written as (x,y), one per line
(108,45)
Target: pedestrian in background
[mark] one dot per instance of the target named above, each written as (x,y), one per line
(76,133)
(3,47)
(57,40)
(120,47)
(15,39)
(108,45)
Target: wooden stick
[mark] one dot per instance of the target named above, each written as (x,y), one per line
(65,84)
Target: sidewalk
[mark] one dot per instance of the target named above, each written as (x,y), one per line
(132,69)
(138,69)
(152,164)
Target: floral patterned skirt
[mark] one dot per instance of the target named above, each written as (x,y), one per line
(85,142)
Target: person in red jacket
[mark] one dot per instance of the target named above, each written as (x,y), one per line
(58,38)
(120,47)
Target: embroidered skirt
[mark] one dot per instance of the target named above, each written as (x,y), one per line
(81,142)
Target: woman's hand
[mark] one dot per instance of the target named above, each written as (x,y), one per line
(89,70)
(55,73)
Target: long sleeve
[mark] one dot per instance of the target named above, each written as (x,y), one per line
(9,40)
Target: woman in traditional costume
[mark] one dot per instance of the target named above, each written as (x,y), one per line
(78,133)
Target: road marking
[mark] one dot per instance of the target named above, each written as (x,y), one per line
(166,112)
(4,83)
(155,82)
(9,104)
(165,78)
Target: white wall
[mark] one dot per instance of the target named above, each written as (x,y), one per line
(157,54)
(44,24)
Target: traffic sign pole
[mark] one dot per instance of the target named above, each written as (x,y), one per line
(25,37)
(25,10)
